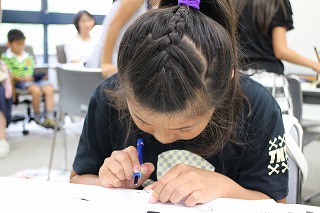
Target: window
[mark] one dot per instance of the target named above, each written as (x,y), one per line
(57,35)
(99,7)
(29,5)
(48,20)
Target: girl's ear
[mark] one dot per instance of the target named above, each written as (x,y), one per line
(232,75)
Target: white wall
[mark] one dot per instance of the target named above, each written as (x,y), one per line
(306,34)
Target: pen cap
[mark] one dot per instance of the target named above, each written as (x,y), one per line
(140,144)
(140,141)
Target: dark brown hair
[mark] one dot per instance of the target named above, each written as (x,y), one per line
(176,57)
(263,11)
(15,35)
(78,16)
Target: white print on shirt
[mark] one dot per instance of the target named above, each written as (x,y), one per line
(278,156)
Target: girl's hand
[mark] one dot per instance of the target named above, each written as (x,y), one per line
(189,183)
(117,170)
(108,70)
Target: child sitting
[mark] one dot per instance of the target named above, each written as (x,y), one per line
(21,64)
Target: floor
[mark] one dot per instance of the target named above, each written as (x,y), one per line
(33,151)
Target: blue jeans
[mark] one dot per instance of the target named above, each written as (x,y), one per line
(25,85)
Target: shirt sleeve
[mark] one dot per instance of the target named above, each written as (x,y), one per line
(265,166)
(95,142)
(284,18)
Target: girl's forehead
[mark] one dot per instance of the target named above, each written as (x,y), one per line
(176,120)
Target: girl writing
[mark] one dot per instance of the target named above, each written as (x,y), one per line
(208,131)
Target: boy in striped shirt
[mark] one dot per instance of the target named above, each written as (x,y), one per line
(21,64)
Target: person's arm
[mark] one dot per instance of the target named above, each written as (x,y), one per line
(125,11)
(88,179)
(283,52)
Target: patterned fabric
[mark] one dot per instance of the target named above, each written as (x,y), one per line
(5,105)
(94,60)
(169,159)
(19,66)
(277,85)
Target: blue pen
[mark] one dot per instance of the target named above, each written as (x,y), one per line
(140,144)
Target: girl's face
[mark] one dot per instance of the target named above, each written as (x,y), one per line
(168,129)
(86,24)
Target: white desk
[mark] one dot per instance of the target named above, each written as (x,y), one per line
(79,67)
(20,195)
(311,94)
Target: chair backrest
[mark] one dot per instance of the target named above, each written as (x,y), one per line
(61,54)
(3,48)
(295,175)
(296,94)
(28,49)
(76,87)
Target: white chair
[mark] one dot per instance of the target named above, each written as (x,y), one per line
(298,167)
(76,85)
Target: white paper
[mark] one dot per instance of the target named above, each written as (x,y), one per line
(19,195)
(141,196)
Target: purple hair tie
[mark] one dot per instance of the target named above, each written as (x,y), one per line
(191,3)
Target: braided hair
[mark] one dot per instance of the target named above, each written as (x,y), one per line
(175,58)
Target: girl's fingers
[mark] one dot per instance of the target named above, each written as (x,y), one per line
(171,175)
(151,186)
(182,191)
(109,179)
(184,178)
(146,170)
(193,199)
(124,160)
(116,168)
(134,160)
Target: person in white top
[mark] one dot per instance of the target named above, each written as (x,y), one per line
(79,49)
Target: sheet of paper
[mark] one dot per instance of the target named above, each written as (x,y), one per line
(18,195)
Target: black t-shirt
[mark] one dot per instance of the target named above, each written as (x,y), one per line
(258,163)
(257,49)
